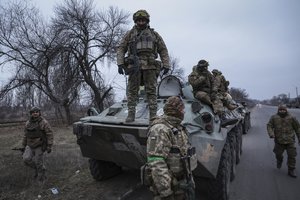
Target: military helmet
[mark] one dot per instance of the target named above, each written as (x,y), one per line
(35,109)
(173,106)
(203,63)
(141,14)
(215,71)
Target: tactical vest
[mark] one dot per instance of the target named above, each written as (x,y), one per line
(145,42)
(33,130)
(177,151)
(284,130)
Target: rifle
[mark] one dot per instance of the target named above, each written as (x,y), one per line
(18,149)
(133,59)
(189,186)
(44,141)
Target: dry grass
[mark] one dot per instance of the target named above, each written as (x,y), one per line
(64,163)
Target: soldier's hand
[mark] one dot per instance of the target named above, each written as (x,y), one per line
(165,70)
(49,150)
(120,69)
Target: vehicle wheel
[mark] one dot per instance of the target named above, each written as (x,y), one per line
(238,150)
(233,155)
(102,170)
(219,187)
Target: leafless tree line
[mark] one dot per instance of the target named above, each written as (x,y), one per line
(59,60)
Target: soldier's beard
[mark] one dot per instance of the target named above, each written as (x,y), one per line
(282,114)
(142,27)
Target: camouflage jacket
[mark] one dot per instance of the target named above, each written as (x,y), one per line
(167,142)
(283,128)
(202,81)
(220,83)
(33,132)
(148,44)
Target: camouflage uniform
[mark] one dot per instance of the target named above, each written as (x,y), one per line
(204,87)
(282,127)
(167,142)
(148,44)
(222,87)
(33,155)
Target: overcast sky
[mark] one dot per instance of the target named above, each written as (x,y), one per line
(255,43)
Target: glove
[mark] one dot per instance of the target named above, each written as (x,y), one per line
(120,69)
(22,149)
(165,70)
(48,149)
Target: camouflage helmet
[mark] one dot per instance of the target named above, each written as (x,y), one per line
(203,63)
(35,109)
(141,14)
(173,107)
(215,71)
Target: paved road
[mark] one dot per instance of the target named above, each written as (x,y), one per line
(257,177)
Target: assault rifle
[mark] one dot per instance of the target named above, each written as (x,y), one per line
(18,149)
(44,141)
(133,59)
(189,186)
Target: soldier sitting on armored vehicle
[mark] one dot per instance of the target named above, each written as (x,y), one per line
(204,87)
(222,87)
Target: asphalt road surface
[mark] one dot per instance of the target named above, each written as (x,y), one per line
(257,177)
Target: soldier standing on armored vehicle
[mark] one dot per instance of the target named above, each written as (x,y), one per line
(222,87)
(204,86)
(37,139)
(142,45)
(282,127)
(170,156)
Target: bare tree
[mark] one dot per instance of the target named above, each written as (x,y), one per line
(28,44)
(91,37)
(175,69)
(238,94)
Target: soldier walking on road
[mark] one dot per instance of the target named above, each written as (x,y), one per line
(170,156)
(282,127)
(37,139)
(142,45)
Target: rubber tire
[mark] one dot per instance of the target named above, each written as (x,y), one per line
(239,140)
(219,187)
(232,138)
(102,170)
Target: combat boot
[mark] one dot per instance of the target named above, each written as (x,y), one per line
(279,163)
(231,107)
(131,116)
(292,173)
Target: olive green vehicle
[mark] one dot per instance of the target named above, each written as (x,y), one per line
(111,144)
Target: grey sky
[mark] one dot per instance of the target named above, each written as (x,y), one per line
(255,43)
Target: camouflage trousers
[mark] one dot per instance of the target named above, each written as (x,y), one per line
(178,193)
(147,78)
(291,152)
(216,103)
(34,158)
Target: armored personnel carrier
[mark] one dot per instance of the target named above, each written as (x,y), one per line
(111,143)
